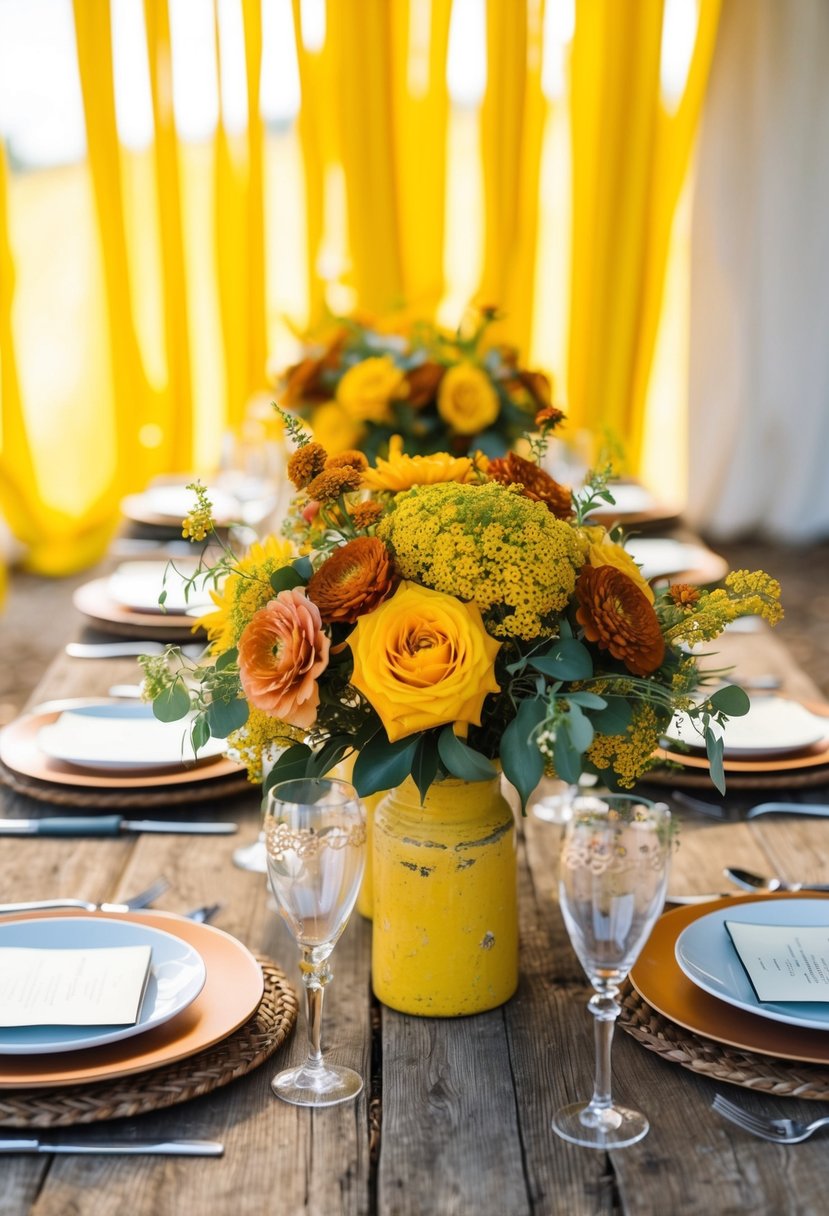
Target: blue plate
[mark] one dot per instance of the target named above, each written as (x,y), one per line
(706,954)
(177,975)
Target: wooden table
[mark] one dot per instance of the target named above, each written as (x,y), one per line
(455,1117)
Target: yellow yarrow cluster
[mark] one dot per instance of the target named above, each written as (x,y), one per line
(261,734)
(630,754)
(199,519)
(245,590)
(487,545)
(746,593)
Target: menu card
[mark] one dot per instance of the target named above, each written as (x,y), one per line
(100,987)
(784,962)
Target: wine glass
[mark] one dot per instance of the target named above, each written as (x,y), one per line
(315,832)
(614,873)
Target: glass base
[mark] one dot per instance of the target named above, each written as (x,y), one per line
(615,1127)
(253,857)
(322,1086)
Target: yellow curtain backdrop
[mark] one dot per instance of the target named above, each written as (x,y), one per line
(512,125)
(629,156)
(182,234)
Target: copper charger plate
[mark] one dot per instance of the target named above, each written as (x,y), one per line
(95,602)
(20,754)
(804,764)
(231,993)
(659,980)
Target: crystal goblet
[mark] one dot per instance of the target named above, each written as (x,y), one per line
(315,839)
(614,873)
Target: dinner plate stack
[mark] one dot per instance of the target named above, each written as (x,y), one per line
(104,753)
(149,599)
(781,742)
(692,1001)
(211,1012)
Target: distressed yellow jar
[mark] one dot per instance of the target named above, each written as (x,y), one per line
(445,938)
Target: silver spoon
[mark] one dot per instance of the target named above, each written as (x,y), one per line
(757,882)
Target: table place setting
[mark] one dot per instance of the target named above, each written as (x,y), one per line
(159,600)
(210,1011)
(693,997)
(111,752)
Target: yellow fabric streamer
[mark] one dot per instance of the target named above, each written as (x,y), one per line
(629,160)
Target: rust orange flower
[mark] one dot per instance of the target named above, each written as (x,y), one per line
(365,514)
(349,459)
(353,580)
(537,485)
(683,595)
(332,482)
(617,617)
(282,651)
(306,463)
(548,417)
(424,382)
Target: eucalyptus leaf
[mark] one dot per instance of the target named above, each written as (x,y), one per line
(425,764)
(173,703)
(731,700)
(615,719)
(224,717)
(579,728)
(285,579)
(199,732)
(587,700)
(714,748)
(292,764)
(522,761)
(461,760)
(303,567)
(382,765)
(227,659)
(567,758)
(566,659)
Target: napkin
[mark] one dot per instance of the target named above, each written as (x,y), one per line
(100,987)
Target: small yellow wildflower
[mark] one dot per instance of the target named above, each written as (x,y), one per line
(260,735)
(628,755)
(199,519)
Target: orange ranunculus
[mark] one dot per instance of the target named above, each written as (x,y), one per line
(282,650)
(537,485)
(353,580)
(423,659)
(617,617)
(602,551)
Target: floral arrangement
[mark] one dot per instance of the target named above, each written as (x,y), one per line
(365,382)
(440,615)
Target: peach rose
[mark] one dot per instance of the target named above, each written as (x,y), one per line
(282,651)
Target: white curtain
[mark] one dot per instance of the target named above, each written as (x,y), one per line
(759,345)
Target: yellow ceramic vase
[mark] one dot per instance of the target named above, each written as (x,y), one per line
(445,939)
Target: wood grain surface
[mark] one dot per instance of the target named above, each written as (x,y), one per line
(455,1118)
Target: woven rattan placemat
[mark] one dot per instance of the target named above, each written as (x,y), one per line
(700,779)
(717,1061)
(234,1057)
(121,799)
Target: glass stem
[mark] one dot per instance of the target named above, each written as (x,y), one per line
(315,975)
(605,1009)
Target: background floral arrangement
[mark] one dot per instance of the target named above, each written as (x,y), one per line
(436,615)
(366,382)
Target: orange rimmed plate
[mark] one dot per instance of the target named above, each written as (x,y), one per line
(660,981)
(231,993)
(815,756)
(20,752)
(95,601)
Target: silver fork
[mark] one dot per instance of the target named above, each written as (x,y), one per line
(203,914)
(142,900)
(782,1131)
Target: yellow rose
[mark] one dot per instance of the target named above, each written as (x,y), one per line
(466,399)
(602,551)
(335,429)
(366,388)
(423,659)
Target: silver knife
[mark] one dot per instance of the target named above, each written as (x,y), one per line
(701,899)
(176,1148)
(108,825)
